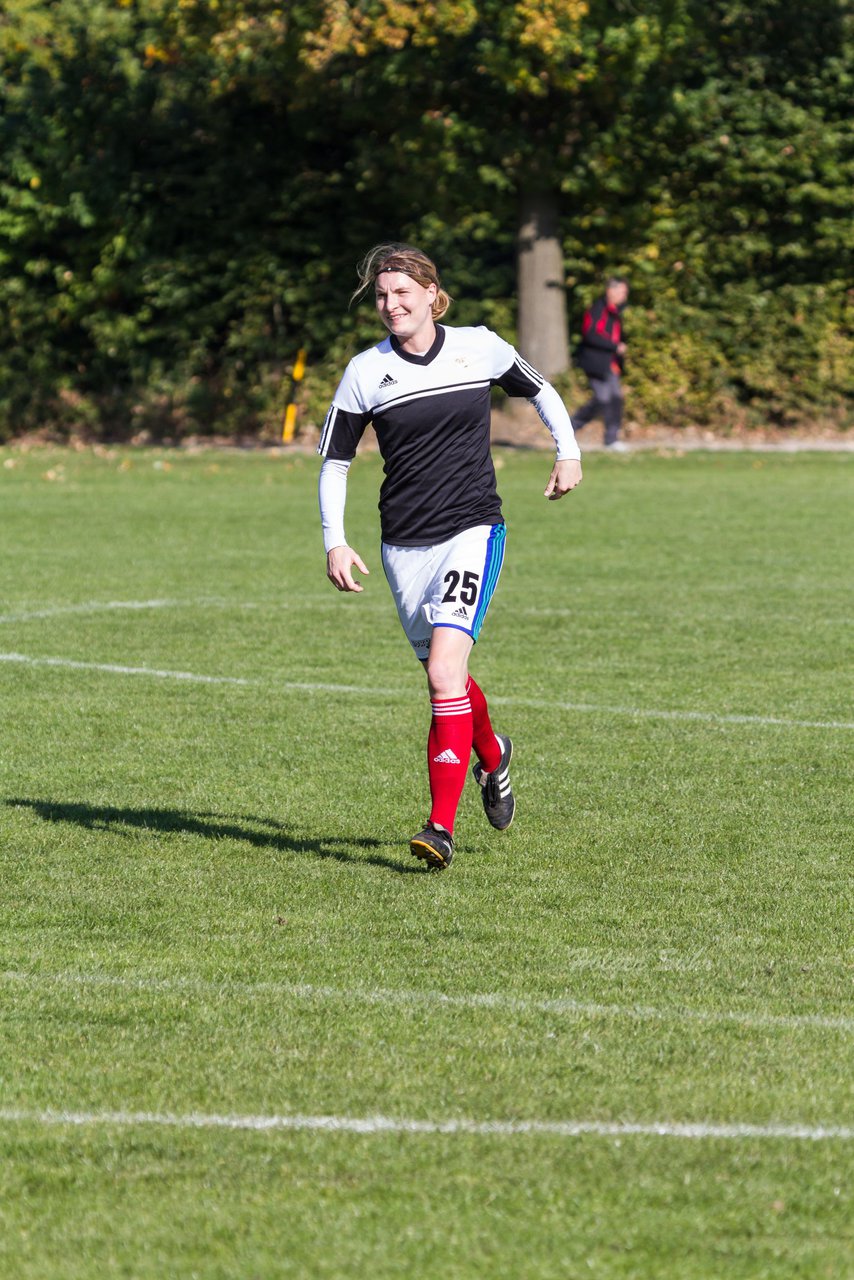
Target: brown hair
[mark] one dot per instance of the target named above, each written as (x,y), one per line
(412,262)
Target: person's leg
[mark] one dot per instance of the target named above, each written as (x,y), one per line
(586,413)
(477,560)
(465,572)
(486,745)
(449,742)
(469,577)
(458,724)
(594,406)
(492,771)
(613,410)
(410,572)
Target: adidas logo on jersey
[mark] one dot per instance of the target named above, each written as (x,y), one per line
(446,757)
(460,613)
(388,381)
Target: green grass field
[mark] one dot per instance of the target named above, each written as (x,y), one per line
(245,1034)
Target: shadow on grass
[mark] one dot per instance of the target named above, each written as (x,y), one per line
(261,833)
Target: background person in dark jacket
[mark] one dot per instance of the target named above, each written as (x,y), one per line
(600,354)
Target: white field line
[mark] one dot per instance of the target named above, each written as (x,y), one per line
(333,601)
(409,998)
(370,1125)
(652,713)
(90,606)
(370,607)
(117,670)
(374,691)
(106,606)
(94,606)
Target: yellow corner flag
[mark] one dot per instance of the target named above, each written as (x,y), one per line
(289,425)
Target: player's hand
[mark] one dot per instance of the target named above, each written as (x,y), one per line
(566,475)
(339,568)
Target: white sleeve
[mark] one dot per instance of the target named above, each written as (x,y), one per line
(552,410)
(518,378)
(346,420)
(332,496)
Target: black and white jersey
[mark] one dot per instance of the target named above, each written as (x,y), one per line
(431,416)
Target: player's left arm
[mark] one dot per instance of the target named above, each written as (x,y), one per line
(565,476)
(566,472)
(522,379)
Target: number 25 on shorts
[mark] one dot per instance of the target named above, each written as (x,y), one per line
(468,589)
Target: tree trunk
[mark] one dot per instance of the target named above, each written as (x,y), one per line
(542,326)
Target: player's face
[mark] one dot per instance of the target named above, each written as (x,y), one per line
(405,307)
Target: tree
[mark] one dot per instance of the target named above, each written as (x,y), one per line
(185,190)
(492,102)
(141,214)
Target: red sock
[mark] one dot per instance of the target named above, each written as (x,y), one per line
(485,742)
(448,755)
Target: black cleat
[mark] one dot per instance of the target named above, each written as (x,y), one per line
(499,803)
(433,844)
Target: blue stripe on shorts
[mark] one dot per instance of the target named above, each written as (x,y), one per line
(491,571)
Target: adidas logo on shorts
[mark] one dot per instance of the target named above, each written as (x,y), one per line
(388,381)
(446,757)
(460,613)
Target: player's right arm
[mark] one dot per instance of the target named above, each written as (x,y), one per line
(347,418)
(339,568)
(332,497)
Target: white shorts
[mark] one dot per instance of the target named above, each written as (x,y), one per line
(447,585)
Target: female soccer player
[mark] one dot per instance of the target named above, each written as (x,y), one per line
(426,389)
